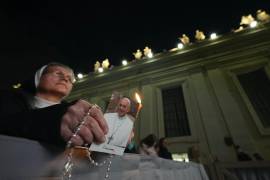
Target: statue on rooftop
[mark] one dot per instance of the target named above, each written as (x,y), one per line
(263,16)
(199,35)
(246,20)
(184,39)
(105,64)
(147,51)
(96,66)
(138,54)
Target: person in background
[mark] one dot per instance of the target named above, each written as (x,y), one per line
(194,154)
(258,157)
(149,145)
(242,155)
(41,114)
(163,151)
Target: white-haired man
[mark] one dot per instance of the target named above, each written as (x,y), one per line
(120,124)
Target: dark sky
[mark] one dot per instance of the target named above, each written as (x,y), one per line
(80,33)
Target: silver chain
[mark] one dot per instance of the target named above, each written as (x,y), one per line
(68,166)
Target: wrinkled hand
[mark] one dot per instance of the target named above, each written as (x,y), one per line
(93,130)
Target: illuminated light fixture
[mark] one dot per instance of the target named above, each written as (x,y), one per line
(100,69)
(124,62)
(150,55)
(213,36)
(16,86)
(180,45)
(253,24)
(80,75)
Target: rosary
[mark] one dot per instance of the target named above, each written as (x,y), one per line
(68,166)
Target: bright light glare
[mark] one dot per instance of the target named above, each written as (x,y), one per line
(124,62)
(253,24)
(80,75)
(100,70)
(180,46)
(150,55)
(213,36)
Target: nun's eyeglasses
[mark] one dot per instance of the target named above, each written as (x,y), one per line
(61,75)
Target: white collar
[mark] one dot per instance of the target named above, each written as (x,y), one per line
(42,103)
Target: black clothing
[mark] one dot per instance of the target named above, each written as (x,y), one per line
(18,118)
(258,157)
(241,156)
(164,153)
(133,150)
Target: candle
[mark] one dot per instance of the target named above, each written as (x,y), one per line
(138,98)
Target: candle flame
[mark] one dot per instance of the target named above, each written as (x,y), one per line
(138,98)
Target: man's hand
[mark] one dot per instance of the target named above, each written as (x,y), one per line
(93,130)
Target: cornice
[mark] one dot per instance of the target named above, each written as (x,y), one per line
(228,49)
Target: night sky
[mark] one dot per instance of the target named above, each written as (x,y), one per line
(80,33)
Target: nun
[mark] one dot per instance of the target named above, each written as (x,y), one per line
(38,111)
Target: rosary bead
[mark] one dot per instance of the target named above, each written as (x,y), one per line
(67,171)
